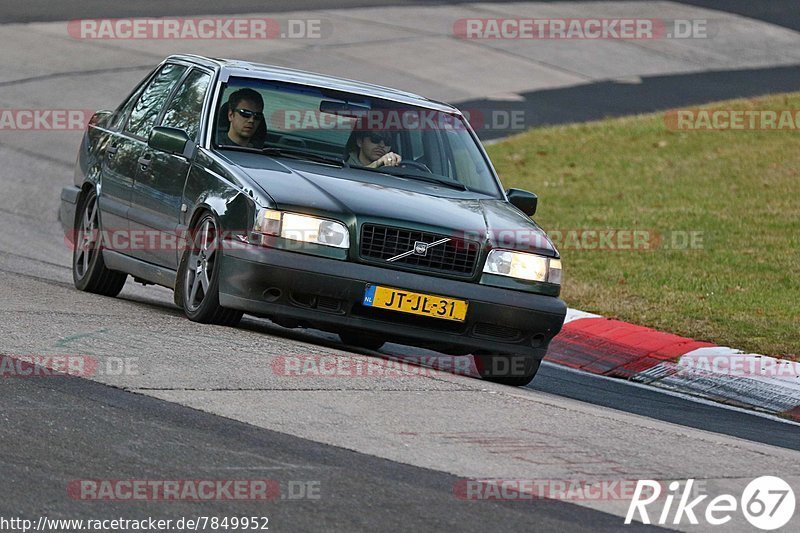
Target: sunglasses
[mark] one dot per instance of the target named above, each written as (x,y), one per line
(377,138)
(246,113)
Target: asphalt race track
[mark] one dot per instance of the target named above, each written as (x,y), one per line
(173,400)
(360,491)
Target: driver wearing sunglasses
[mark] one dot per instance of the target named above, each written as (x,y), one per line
(373,150)
(245,113)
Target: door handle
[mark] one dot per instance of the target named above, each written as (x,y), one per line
(144,162)
(112,150)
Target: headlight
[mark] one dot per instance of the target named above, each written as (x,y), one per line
(521,265)
(303,228)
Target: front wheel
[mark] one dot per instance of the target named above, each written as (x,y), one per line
(199,276)
(89,272)
(513,370)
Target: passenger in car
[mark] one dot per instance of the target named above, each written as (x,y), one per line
(246,116)
(371,149)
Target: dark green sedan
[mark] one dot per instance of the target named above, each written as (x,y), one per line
(315,202)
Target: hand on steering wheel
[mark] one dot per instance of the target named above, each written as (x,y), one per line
(389,159)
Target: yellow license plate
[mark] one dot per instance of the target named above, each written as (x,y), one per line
(415,303)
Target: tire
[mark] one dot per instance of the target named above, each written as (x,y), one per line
(198,276)
(89,272)
(362,340)
(513,370)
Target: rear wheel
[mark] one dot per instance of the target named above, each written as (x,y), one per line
(89,272)
(199,276)
(513,370)
(362,340)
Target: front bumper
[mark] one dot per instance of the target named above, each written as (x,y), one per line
(327,294)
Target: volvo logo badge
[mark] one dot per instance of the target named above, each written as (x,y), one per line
(420,248)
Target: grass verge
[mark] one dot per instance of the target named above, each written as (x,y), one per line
(736,193)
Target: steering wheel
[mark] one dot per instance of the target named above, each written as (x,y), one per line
(415,164)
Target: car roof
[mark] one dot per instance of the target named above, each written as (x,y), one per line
(235,67)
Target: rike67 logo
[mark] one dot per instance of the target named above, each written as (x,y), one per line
(767,503)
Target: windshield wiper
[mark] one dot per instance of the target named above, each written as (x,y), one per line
(430,178)
(239,148)
(302,154)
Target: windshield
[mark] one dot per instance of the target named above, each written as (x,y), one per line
(293,121)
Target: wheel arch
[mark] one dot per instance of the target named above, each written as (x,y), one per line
(86,188)
(199,210)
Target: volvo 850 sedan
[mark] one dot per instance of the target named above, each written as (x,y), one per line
(315,202)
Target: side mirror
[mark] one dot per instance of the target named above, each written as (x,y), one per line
(525,201)
(171,140)
(98,118)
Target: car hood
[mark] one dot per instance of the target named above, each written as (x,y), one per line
(357,196)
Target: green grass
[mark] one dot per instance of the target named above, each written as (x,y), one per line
(740,189)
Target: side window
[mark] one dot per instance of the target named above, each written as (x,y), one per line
(146,110)
(124,109)
(186,107)
(123,112)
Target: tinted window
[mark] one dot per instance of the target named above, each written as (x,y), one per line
(122,112)
(186,107)
(144,114)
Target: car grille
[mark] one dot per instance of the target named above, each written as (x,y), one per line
(457,256)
